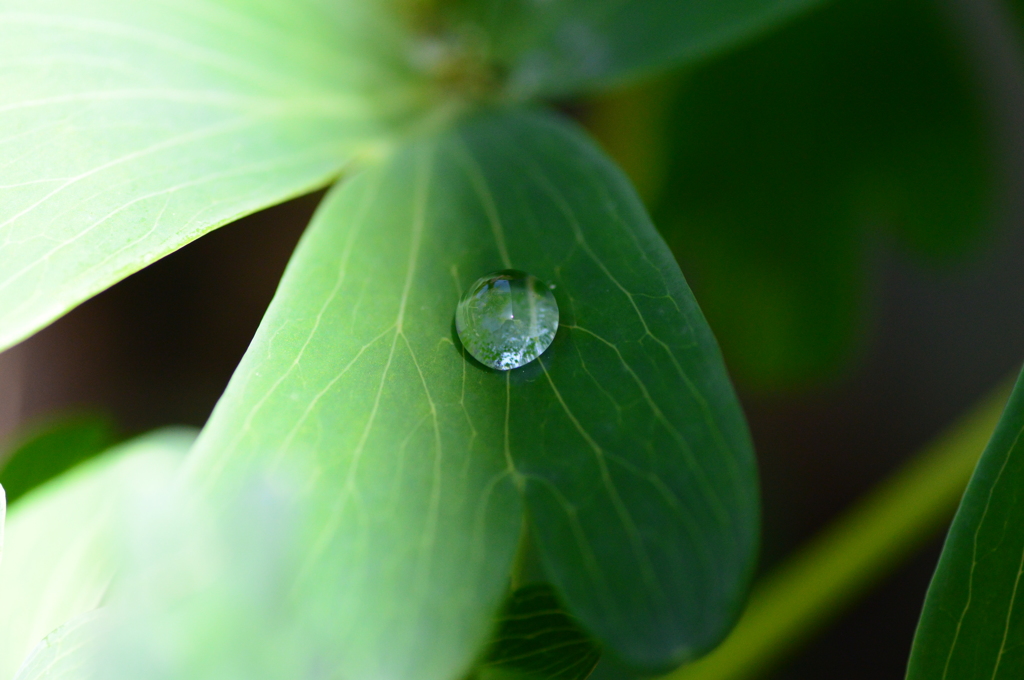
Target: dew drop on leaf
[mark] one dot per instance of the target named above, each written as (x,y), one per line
(507,319)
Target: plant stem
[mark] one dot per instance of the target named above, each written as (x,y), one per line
(866,543)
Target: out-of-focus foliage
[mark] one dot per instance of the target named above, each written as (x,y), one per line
(53,447)
(68,652)
(787,158)
(3,520)
(558,48)
(209,590)
(62,540)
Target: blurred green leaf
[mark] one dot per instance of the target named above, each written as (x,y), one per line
(207,591)
(786,155)
(625,438)
(53,447)
(537,637)
(557,48)
(131,128)
(973,619)
(3,520)
(60,554)
(64,653)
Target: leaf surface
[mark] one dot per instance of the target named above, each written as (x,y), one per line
(60,554)
(557,48)
(538,638)
(204,590)
(64,654)
(972,624)
(127,129)
(625,438)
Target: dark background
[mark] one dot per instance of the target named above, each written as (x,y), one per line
(160,347)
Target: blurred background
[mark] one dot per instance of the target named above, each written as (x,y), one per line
(844,195)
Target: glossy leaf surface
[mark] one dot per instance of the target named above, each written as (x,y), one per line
(791,155)
(625,438)
(50,449)
(973,619)
(60,558)
(538,638)
(131,128)
(554,48)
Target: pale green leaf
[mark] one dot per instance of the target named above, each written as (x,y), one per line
(206,594)
(625,437)
(127,129)
(555,48)
(60,553)
(65,653)
(972,625)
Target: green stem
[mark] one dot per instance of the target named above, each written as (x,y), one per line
(865,544)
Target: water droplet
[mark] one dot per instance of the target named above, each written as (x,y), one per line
(507,319)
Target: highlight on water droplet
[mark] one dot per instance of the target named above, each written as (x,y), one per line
(507,319)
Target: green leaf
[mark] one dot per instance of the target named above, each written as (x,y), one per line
(973,619)
(787,155)
(207,594)
(50,449)
(64,653)
(537,637)
(131,128)
(557,48)
(60,554)
(625,438)
(3,520)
